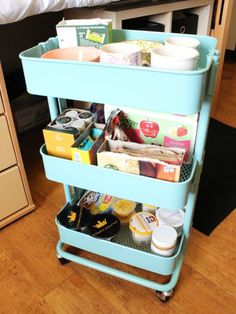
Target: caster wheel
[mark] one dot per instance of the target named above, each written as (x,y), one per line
(62,260)
(164,296)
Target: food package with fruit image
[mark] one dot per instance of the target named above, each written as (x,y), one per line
(142,159)
(167,130)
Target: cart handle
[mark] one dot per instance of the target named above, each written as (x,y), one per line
(213,59)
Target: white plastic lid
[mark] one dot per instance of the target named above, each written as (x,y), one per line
(170,217)
(164,236)
(143,223)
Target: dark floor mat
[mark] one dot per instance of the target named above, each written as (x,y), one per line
(217,191)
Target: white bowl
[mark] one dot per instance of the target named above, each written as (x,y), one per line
(182,41)
(174,58)
(121,53)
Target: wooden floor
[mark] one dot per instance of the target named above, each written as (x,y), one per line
(33,281)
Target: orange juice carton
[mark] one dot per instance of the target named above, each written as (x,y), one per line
(84,32)
(141,159)
(61,133)
(86,145)
(167,130)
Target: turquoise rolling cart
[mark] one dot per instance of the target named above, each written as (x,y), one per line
(181,92)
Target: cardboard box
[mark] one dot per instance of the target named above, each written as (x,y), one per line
(59,140)
(29,111)
(112,154)
(85,147)
(82,32)
(168,130)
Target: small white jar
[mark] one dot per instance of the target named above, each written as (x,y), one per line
(142,224)
(171,218)
(164,240)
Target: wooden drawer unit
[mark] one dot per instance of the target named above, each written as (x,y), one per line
(7,158)
(15,196)
(1,105)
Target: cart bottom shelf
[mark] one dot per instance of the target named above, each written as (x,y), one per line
(165,287)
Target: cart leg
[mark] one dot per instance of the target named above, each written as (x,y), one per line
(164,296)
(62,260)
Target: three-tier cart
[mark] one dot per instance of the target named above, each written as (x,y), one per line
(179,92)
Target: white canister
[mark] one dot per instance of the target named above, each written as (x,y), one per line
(164,240)
(171,218)
(142,224)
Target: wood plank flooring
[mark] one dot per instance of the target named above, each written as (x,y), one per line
(33,281)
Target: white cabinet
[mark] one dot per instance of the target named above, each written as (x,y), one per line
(161,13)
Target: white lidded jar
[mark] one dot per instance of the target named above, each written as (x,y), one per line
(164,240)
(142,224)
(149,208)
(171,218)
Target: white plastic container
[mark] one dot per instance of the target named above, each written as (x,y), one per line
(164,240)
(149,208)
(142,224)
(171,218)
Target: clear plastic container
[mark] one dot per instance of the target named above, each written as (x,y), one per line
(123,209)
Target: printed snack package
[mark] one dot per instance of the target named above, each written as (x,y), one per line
(84,32)
(167,130)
